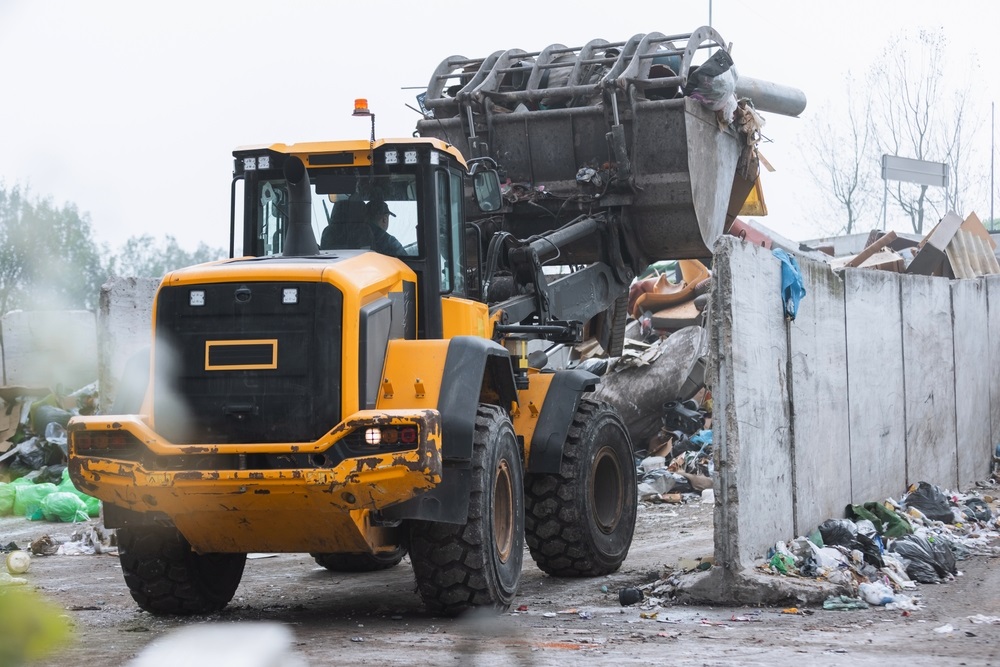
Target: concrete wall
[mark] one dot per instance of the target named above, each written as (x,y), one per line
(49,348)
(125,327)
(881,381)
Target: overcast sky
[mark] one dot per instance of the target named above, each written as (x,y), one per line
(131,110)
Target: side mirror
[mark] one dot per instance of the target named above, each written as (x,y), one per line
(486,185)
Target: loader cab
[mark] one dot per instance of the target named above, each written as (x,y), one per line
(419,181)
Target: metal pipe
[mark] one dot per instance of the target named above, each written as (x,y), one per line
(771,97)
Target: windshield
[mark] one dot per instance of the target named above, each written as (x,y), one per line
(359,211)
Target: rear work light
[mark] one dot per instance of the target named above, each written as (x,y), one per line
(391,435)
(106,443)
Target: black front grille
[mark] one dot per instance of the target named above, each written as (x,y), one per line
(245,365)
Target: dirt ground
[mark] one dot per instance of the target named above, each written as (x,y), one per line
(378,619)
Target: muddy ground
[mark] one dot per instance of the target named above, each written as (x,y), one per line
(378,619)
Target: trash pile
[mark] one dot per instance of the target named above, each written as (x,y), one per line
(34,481)
(954,248)
(882,550)
(679,467)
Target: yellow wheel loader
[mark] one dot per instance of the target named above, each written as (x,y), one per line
(367,376)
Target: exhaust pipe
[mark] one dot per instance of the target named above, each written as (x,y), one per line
(299,238)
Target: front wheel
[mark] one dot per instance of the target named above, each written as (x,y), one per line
(477,564)
(165,576)
(580,522)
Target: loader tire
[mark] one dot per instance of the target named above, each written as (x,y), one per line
(477,564)
(360,562)
(580,522)
(165,576)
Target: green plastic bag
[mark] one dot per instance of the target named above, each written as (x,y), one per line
(28,499)
(63,506)
(7,492)
(92,503)
(886,522)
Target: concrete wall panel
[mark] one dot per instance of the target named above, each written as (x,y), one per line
(820,419)
(753,460)
(125,326)
(875,384)
(50,348)
(993,307)
(972,380)
(929,372)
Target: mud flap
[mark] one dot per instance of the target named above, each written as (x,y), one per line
(555,418)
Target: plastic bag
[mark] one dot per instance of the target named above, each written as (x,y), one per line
(7,499)
(838,532)
(93,504)
(51,474)
(876,593)
(926,562)
(33,454)
(931,502)
(28,499)
(64,506)
(659,481)
(977,510)
(871,549)
(714,83)
(886,521)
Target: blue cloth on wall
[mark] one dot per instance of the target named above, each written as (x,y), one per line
(792,289)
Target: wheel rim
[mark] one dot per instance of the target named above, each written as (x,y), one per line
(503,511)
(606,491)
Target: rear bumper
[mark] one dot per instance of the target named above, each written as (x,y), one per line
(145,479)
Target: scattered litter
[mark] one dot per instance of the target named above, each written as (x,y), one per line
(630,596)
(18,562)
(944,629)
(844,603)
(979,619)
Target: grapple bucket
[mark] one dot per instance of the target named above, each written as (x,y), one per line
(606,126)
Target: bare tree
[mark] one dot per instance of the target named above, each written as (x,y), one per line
(919,112)
(840,159)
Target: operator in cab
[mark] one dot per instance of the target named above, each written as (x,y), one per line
(377,216)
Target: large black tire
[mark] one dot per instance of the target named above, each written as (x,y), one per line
(360,562)
(579,523)
(165,576)
(477,564)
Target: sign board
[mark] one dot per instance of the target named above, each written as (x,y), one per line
(914,171)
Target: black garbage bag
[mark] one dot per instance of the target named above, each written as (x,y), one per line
(42,414)
(838,532)
(683,416)
(46,474)
(870,548)
(977,510)
(926,562)
(35,454)
(931,502)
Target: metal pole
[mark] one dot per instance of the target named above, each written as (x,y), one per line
(993,152)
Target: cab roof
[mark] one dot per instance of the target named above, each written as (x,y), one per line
(318,147)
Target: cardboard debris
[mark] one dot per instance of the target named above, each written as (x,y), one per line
(954,248)
(10,417)
(885,260)
(930,258)
(875,246)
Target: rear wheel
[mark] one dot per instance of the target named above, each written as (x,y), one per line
(360,562)
(165,576)
(477,564)
(579,522)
